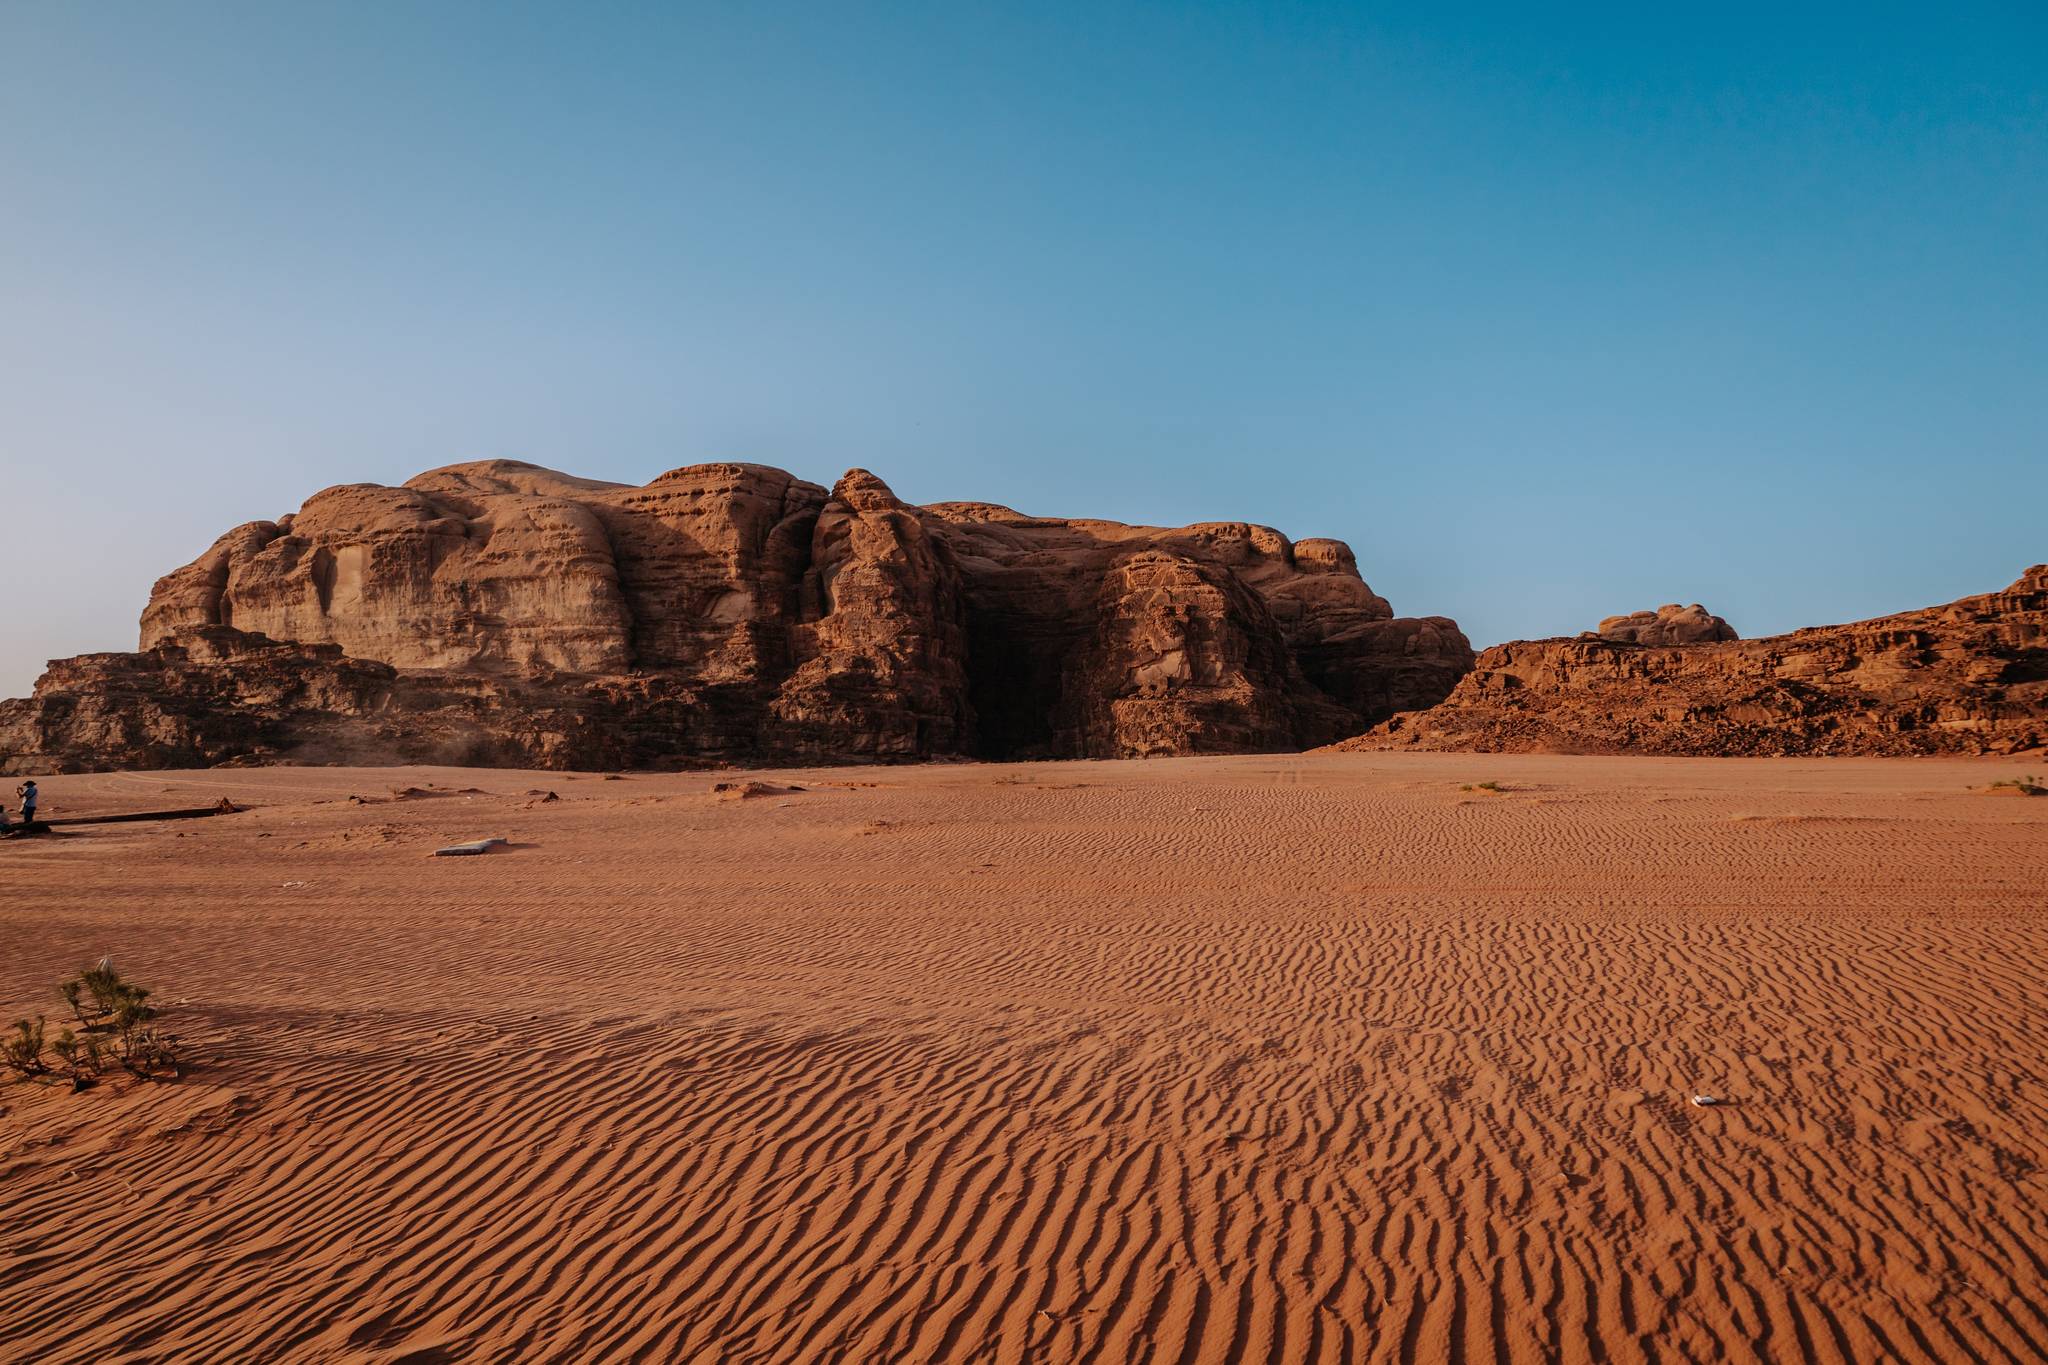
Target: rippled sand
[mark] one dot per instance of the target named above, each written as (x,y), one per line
(1276,1058)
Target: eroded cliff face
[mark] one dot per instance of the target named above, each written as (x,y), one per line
(501,613)
(1183,657)
(879,637)
(1968,677)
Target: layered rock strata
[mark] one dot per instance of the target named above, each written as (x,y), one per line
(500,613)
(1968,677)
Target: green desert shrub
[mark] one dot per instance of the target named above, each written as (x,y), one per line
(80,1057)
(22,1051)
(116,1027)
(96,993)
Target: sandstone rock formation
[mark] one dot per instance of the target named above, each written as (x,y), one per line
(500,613)
(1969,677)
(1668,625)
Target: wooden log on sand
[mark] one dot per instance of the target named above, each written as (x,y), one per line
(222,807)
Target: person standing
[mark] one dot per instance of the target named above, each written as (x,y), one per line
(27,792)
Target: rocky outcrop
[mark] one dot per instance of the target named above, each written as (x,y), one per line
(1668,625)
(213,695)
(1969,677)
(499,613)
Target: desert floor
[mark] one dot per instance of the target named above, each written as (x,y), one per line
(1275,1058)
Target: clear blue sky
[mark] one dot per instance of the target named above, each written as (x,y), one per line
(1549,315)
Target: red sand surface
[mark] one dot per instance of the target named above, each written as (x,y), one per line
(1273,1058)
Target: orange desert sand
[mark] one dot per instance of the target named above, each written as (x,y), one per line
(1256,1058)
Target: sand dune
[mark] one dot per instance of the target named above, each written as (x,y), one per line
(1295,1059)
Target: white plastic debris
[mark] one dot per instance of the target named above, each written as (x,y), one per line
(1707,1101)
(469,850)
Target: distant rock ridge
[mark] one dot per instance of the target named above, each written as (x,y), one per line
(501,613)
(1968,677)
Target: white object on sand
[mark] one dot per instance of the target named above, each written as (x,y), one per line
(1706,1101)
(470,850)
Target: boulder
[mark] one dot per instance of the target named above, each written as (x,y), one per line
(1668,625)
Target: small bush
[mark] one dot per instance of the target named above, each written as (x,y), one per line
(117,1026)
(80,1059)
(1482,787)
(148,1053)
(97,993)
(23,1052)
(2028,785)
